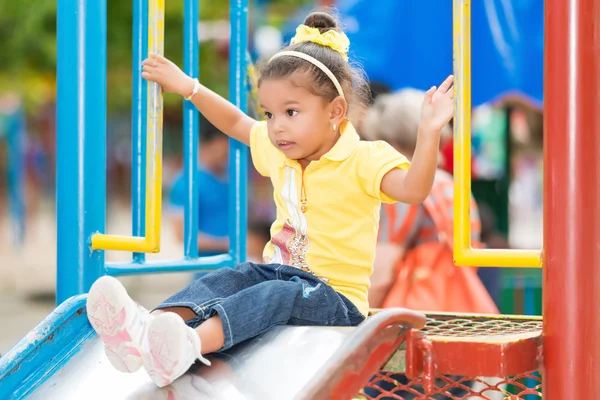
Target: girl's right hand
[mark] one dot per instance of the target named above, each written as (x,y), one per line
(438,107)
(157,68)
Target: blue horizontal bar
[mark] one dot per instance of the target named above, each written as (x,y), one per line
(170,266)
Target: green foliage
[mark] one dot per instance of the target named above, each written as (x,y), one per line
(28,29)
(28,32)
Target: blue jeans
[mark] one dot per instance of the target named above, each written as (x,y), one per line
(252,298)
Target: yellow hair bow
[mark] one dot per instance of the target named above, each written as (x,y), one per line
(332,39)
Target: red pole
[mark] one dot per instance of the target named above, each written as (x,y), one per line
(572,200)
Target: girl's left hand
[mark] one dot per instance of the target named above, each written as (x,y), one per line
(168,75)
(438,106)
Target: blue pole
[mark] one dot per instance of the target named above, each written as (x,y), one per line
(80,143)
(238,152)
(16,176)
(138,123)
(191,62)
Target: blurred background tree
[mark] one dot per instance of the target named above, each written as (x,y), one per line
(29,61)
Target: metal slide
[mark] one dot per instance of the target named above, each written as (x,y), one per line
(63,359)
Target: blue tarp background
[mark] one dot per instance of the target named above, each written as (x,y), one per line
(409,43)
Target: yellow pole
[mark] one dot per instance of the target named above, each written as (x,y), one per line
(156,32)
(464,254)
(150,243)
(462,128)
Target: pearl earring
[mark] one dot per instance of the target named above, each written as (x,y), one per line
(334,127)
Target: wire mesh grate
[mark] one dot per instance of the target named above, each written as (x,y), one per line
(467,327)
(390,386)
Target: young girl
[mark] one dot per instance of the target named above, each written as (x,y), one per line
(328,188)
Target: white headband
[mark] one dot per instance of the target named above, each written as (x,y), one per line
(316,63)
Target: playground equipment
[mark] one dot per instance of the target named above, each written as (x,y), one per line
(62,357)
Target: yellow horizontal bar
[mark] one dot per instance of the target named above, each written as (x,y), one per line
(464,254)
(124,243)
(154,134)
(515,258)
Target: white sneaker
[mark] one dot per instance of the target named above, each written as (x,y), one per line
(174,347)
(120,323)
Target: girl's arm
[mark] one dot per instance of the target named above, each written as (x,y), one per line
(413,186)
(221,113)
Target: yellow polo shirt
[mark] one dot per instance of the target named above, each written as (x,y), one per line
(335,238)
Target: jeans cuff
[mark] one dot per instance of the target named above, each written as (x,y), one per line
(227,332)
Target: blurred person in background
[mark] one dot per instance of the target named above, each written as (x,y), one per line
(375,89)
(212,184)
(378,88)
(259,233)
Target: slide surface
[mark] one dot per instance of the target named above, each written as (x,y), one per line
(63,359)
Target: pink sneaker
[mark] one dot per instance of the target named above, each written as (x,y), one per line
(120,323)
(174,347)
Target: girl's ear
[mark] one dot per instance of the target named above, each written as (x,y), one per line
(339,110)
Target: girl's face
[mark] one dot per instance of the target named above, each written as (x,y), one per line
(300,123)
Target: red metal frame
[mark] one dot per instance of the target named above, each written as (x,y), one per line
(363,354)
(502,355)
(572,200)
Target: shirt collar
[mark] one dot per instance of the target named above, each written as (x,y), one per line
(342,149)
